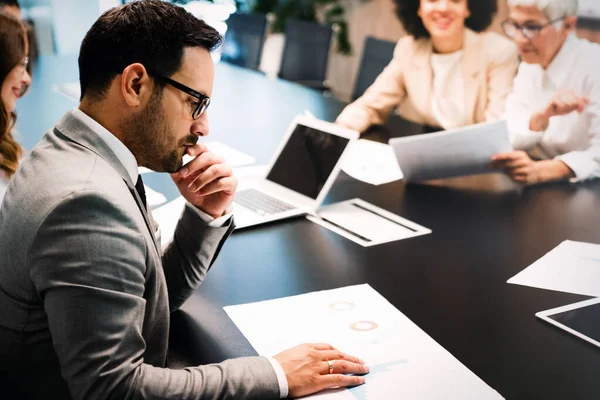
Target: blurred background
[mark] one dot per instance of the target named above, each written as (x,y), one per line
(61,24)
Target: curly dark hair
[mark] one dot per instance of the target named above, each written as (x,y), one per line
(482,14)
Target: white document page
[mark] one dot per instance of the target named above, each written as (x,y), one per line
(70,90)
(371,162)
(233,157)
(167,217)
(572,267)
(153,197)
(459,152)
(366,224)
(405,362)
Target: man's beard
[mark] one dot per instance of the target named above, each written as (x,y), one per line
(152,141)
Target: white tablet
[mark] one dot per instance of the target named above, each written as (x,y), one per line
(581,319)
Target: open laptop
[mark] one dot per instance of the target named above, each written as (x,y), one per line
(298,178)
(456,152)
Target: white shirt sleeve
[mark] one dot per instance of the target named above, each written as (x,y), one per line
(210,221)
(586,163)
(281,379)
(519,112)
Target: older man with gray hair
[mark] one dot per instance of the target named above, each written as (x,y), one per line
(553,112)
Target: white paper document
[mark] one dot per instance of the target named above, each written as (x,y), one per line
(233,157)
(371,162)
(366,224)
(154,198)
(405,362)
(572,267)
(458,152)
(167,217)
(70,90)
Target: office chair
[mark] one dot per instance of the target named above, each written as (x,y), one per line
(377,54)
(244,40)
(306,53)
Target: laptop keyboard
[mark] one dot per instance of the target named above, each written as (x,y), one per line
(261,203)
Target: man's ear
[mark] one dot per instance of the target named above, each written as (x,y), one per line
(136,85)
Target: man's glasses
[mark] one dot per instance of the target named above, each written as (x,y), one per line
(203,100)
(529,31)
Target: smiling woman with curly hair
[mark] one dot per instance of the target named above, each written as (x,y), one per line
(447,73)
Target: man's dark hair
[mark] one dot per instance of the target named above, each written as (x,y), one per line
(150,32)
(7,3)
(482,15)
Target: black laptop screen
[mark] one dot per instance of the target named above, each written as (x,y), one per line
(307,160)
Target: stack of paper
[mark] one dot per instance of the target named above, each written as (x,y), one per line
(405,362)
(572,267)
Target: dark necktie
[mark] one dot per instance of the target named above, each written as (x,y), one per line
(139,186)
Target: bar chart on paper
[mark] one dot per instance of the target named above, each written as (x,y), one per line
(404,361)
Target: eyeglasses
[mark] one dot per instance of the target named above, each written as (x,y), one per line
(23,65)
(23,68)
(203,100)
(530,31)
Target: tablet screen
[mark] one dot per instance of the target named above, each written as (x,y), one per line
(585,320)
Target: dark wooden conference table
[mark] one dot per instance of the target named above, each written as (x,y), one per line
(451,283)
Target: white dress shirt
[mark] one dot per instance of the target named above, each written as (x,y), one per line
(128,160)
(448,96)
(573,138)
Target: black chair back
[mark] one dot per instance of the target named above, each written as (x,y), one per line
(306,53)
(244,39)
(377,54)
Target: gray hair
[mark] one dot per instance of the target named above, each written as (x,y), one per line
(553,9)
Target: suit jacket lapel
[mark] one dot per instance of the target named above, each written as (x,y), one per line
(470,70)
(80,133)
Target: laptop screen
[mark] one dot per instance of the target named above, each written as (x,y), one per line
(307,160)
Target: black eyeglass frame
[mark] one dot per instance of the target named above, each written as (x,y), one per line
(536,30)
(203,100)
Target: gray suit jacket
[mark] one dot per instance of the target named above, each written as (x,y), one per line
(85,294)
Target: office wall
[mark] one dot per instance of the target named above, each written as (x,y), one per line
(72,19)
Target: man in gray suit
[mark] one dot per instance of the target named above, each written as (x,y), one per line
(85,293)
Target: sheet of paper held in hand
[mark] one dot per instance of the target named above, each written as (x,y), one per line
(405,362)
(371,162)
(572,267)
(458,152)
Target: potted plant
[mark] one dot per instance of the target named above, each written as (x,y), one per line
(330,12)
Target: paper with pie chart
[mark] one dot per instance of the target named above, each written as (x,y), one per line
(405,362)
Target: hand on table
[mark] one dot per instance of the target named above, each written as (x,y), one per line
(307,369)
